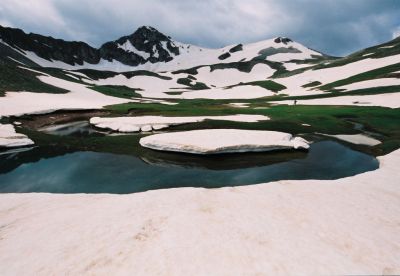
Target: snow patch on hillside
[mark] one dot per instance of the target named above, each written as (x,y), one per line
(103,65)
(154,87)
(391,100)
(79,98)
(290,66)
(230,76)
(328,75)
(150,85)
(237,92)
(371,83)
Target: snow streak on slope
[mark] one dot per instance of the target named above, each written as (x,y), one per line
(103,65)
(391,100)
(327,75)
(231,76)
(371,83)
(128,47)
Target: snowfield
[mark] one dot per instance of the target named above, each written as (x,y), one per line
(10,138)
(227,77)
(136,124)
(294,83)
(309,227)
(80,98)
(217,80)
(371,83)
(212,141)
(237,92)
(150,85)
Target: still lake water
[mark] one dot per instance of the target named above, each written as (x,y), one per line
(92,172)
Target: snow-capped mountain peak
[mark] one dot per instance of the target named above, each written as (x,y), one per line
(148,49)
(146,44)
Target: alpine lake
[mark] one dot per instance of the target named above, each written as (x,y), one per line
(75,157)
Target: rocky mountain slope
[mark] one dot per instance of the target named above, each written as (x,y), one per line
(148,49)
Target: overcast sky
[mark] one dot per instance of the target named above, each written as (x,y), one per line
(336,27)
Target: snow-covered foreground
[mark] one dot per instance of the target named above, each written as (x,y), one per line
(148,123)
(347,226)
(391,100)
(212,141)
(10,138)
(80,97)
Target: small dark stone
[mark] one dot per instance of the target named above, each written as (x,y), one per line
(237,48)
(283,40)
(224,56)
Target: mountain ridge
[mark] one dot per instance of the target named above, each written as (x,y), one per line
(146,48)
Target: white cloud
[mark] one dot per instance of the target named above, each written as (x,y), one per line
(334,26)
(396,32)
(39,14)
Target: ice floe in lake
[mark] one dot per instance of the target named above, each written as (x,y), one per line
(10,138)
(212,141)
(147,123)
(358,139)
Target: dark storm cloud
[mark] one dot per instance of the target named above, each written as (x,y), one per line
(336,27)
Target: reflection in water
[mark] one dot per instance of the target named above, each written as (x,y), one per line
(90,172)
(227,161)
(75,129)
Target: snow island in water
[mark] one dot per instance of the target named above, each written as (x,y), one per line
(213,141)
